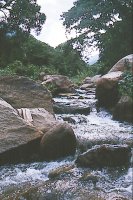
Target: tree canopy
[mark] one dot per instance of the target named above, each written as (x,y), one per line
(107,24)
(17,19)
(21,15)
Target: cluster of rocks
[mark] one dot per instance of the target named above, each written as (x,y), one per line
(28,128)
(107,91)
(57,83)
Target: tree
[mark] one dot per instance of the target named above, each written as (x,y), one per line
(21,16)
(107,24)
(17,19)
(68,60)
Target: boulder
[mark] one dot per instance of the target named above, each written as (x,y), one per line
(107,89)
(123,64)
(124,109)
(38,117)
(58,83)
(18,140)
(105,155)
(22,92)
(58,142)
(89,82)
(71,109)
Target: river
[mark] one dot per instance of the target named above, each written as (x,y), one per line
(31,181)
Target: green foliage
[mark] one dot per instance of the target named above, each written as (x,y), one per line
(21,16)
(88,71)
(107,24)
(29,70)
(17,19)
(126,83)
(17,68)
(68,60)
(37,53)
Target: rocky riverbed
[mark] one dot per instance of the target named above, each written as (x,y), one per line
(63,179)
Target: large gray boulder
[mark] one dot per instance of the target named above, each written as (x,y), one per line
(19,141)
(22,92)
(58,142)
(105,155)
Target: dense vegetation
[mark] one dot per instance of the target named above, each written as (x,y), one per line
(126,83)
(22,54)
(107,24)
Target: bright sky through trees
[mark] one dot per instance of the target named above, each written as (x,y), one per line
(53,31)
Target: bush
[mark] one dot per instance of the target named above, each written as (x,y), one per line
(126,84)
(87,71)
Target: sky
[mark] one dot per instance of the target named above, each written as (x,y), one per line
(53,31)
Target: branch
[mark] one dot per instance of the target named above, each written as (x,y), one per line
(4,13)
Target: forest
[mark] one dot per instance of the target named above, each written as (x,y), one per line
(106,25)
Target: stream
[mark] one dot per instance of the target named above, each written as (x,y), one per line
(31,181)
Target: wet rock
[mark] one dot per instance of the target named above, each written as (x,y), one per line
(58,142)
(22,92)
(105,155)
(124,109)
(69,120)
(71,109)
(18,140)
(89,82)
(107,89)
(60,170)
(89,177)
(86,86)
(58,83)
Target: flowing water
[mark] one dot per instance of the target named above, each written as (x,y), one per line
(31,181)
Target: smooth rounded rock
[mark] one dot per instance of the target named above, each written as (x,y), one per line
(58,142)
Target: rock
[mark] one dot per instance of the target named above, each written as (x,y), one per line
(39,117)
(105,155)
(89,82)
(90,177)
(58,83)
(107,89)
(124,109)
(60,170)
(58,142)
(71,109)
(86,86)
(69,120)
(121,65)
(22,92)
(18,140)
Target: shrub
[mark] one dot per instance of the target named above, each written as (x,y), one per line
(91,71)
(126,84)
